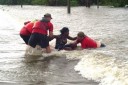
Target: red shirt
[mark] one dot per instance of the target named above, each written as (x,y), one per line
(88,43)
(27,29)
(42,27)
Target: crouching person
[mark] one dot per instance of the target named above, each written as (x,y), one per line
(40,35)
(26,30)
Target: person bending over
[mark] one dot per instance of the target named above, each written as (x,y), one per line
(40,33)
(87,42)
(26,30)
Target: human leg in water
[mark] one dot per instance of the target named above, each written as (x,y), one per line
(102,45)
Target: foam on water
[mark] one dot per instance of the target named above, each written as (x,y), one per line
(104,68)
(98,65)
(101,66)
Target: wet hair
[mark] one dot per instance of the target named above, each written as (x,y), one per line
(64,30)
(81,34)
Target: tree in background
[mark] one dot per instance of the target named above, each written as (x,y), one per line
(62,2)
(115,3)
(39,2)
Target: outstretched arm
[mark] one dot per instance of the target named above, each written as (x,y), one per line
(72,38)
(51,38)
(75,42)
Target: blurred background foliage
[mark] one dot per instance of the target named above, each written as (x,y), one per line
(115,3)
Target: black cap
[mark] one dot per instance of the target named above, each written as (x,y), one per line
(47,15)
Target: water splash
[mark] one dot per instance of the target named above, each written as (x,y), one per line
(104,68)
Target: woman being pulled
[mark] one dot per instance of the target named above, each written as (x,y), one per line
(61,40)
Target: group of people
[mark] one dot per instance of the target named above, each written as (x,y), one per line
(40,32)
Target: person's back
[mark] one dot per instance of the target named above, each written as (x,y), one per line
(40,32)
(26,31)
(88,43)
(29,27)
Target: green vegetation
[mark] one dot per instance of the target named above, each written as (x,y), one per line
(115,3)
(39,2)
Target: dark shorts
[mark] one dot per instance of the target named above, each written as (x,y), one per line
(63,46)
(25,38)
(72,46)
(59,46)
(38,39)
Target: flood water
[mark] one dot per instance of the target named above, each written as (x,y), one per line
(101,66)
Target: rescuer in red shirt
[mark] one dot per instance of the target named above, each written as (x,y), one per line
(87,42)
(40,33)
(26,30)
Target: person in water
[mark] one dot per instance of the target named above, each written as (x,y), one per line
(40,33)
(87,42)
(61,40)
(26,30)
